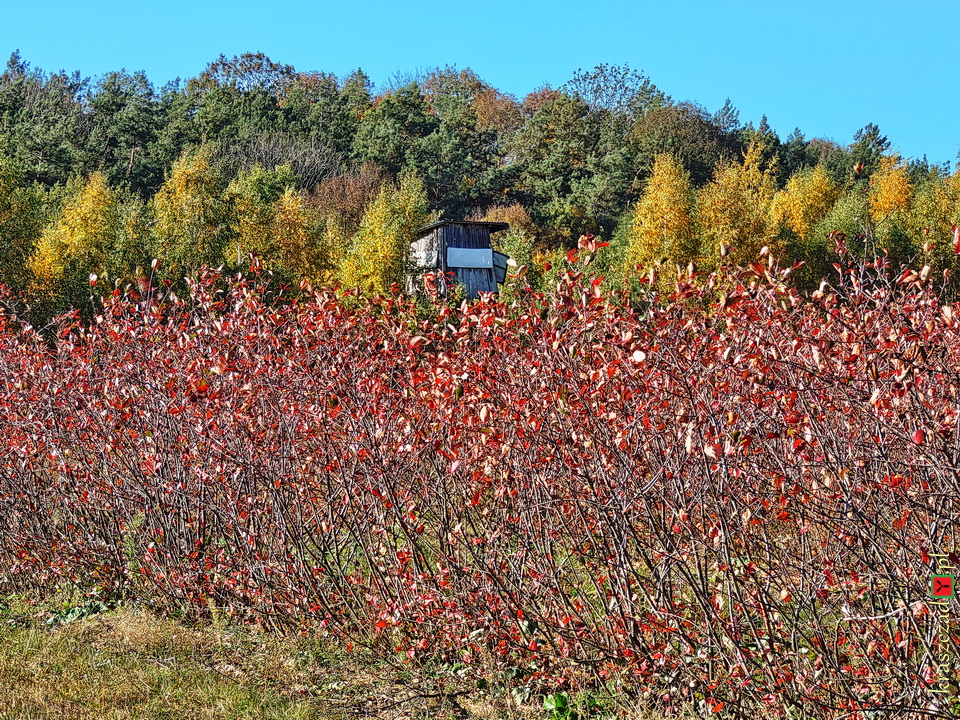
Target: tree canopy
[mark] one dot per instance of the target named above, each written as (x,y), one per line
(321,176)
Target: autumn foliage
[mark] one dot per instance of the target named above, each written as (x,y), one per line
(728,495)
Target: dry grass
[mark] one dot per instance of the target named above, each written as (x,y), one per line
(130,665)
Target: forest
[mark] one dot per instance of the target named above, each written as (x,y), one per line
(699,456)
(324,179)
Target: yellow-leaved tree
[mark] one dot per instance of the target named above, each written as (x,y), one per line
(889,200)
(890,189)
(98,234)
(662,226)
(808,197)
(734,208)
(274,220)
(192,215)
(299,238)
(797,214)
(934,211)
(377,254)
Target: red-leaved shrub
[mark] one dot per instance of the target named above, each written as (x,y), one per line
(729,496)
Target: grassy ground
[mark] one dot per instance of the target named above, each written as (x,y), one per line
(71,659)
(127,664)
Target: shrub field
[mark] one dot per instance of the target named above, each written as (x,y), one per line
(725,495)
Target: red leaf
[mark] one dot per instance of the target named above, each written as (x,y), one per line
(918,437)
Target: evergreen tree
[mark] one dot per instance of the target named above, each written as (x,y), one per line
(126,117)
(389,132)
(42,123)
(868,149)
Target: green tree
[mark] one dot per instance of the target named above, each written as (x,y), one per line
(588,122)
(232,115)
(177,131)
(42,123)
(616,89)
(457,160)
(868,149)
(126,117)
(727,118)
(247,73)
(356,92)
(389,132)
(553,153)
(234,99)
(846,220)
(686,131)
(319,110)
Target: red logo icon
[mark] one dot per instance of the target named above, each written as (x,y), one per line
(942,586)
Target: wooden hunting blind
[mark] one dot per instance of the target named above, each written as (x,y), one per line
(461,248)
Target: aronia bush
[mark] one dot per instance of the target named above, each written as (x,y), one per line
(726,495)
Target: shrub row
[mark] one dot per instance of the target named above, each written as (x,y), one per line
(728,495)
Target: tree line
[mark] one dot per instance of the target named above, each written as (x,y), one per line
(325,179)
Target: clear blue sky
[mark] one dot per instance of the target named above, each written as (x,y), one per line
(828,67)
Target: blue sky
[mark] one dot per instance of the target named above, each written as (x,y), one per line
(828,67)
